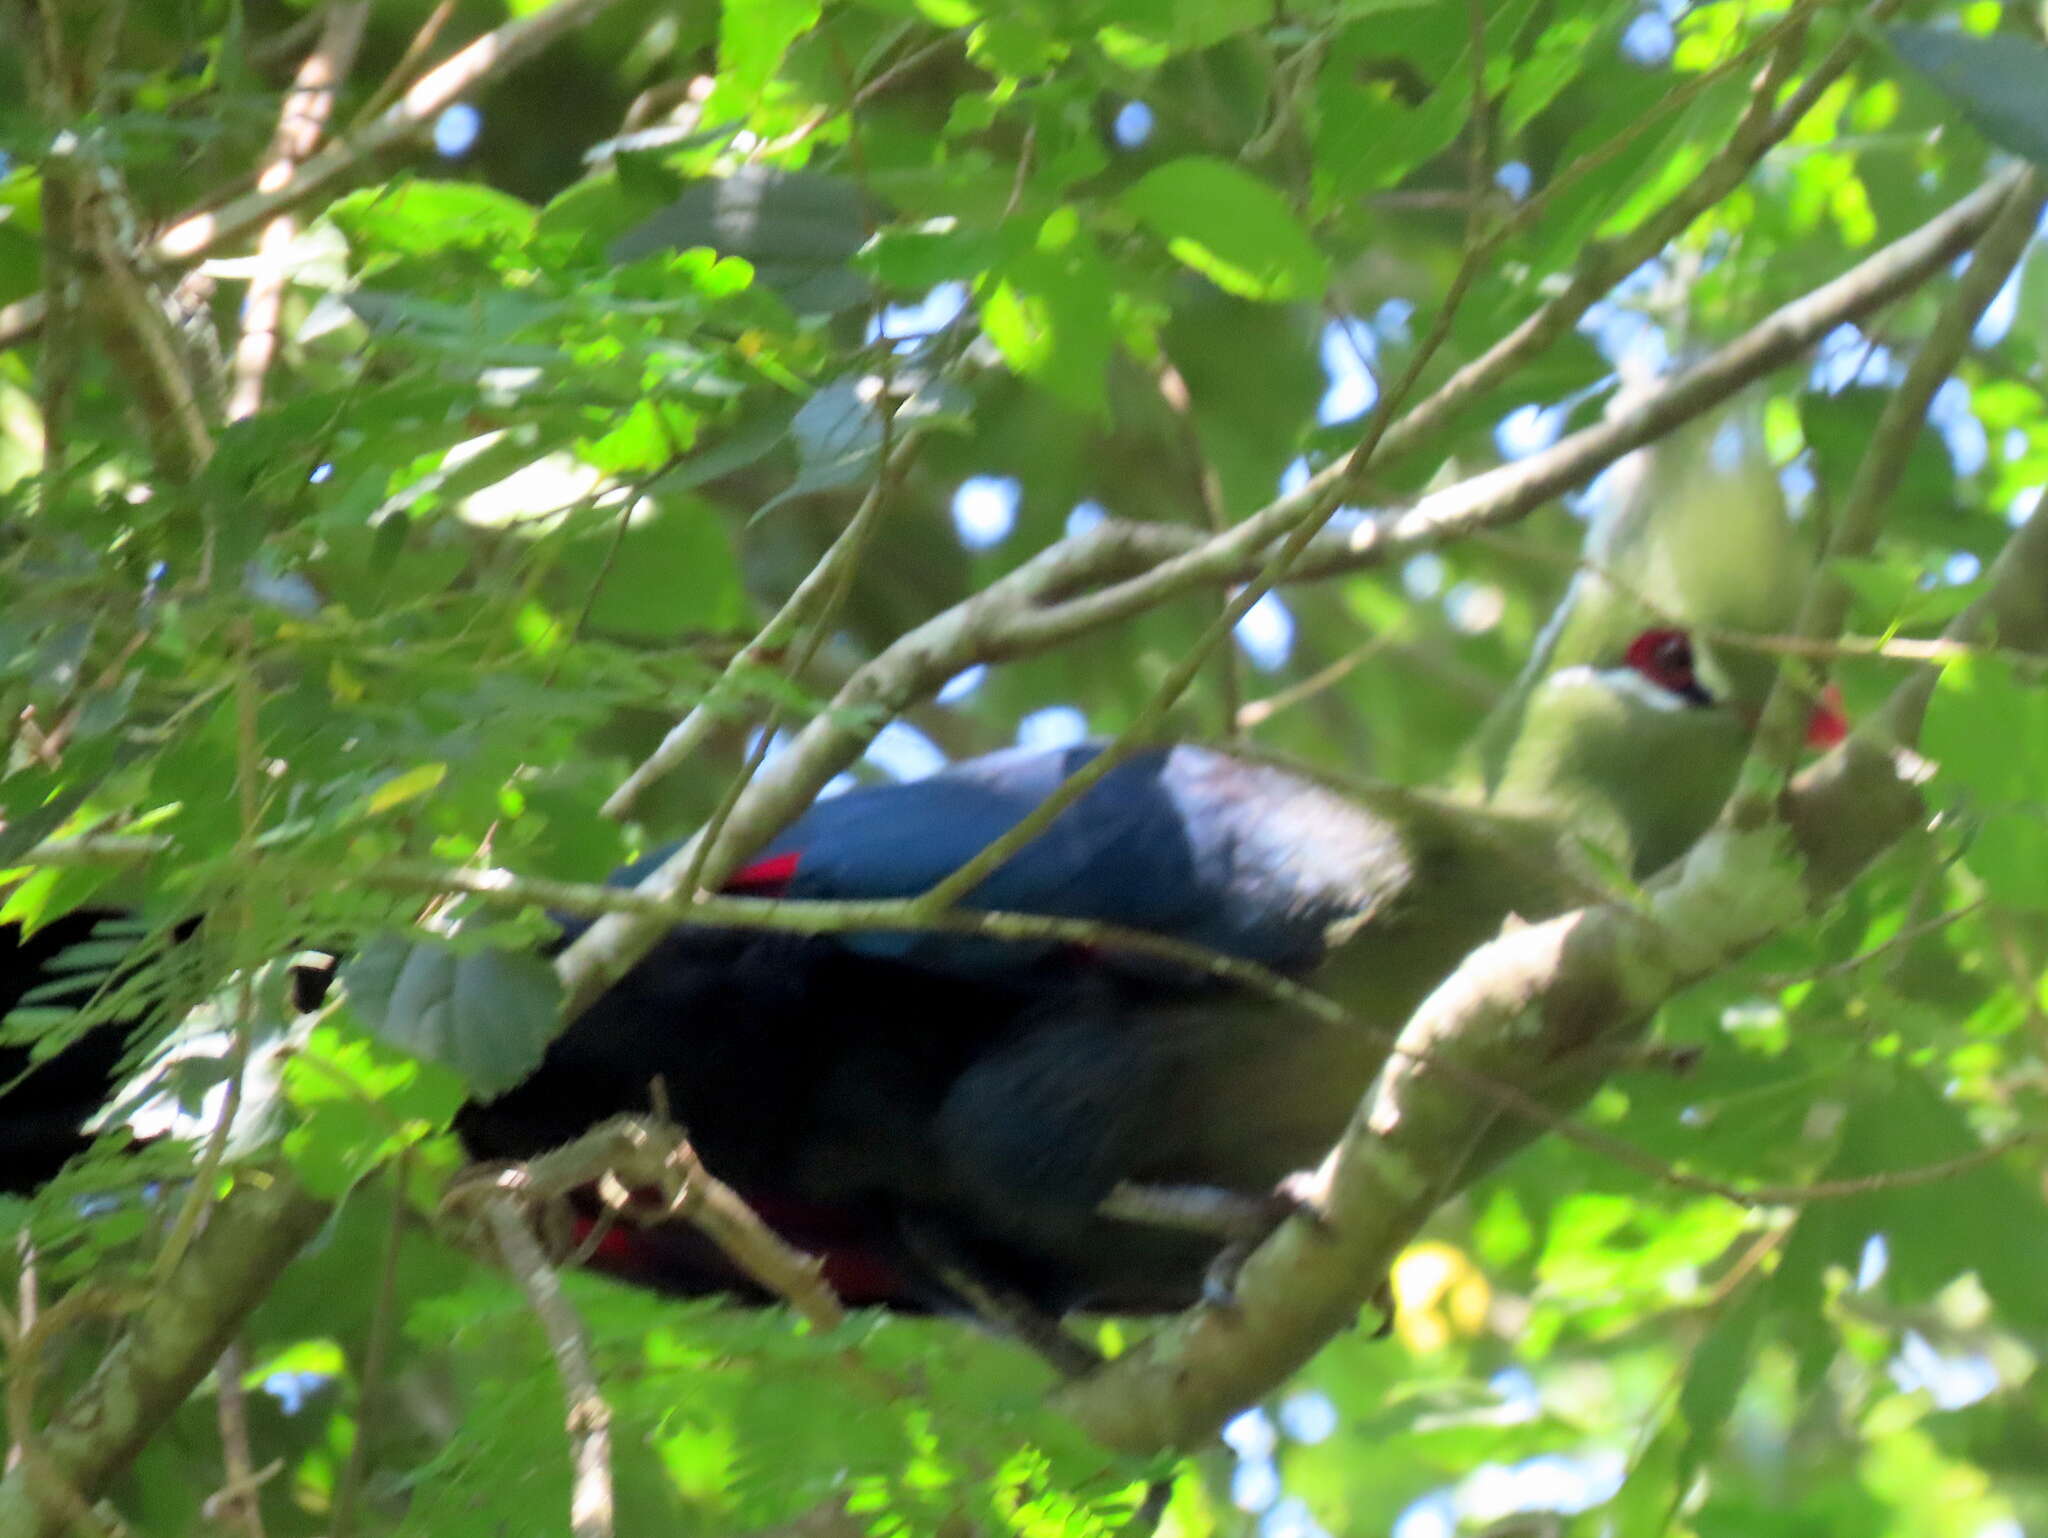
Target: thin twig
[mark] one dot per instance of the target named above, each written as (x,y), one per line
(1857,523)
(1775,981)
(1208,488)
(307,107)
(417,47)
(238,1503)
(687,738)
(844,558)
(13,1326)
(1255,712)
(414,114)
(629,1155)
(201,1193)
(589,1418)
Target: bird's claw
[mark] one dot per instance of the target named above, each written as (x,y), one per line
(1383,1300)
(1299,1195)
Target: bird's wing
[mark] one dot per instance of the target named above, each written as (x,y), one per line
(1184,842)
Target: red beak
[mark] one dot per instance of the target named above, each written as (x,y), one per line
(1829,723)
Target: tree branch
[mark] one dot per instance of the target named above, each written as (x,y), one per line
(492,54)
(630,1155)
(589,1418)
(1055,595)
(307,107)
(169,1344)
(1561,997)
(1854,529)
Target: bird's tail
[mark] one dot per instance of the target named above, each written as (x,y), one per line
(65,1030)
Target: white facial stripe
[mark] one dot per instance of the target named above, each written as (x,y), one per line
(1625,681)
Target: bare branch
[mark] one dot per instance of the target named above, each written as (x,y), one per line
(307,107)
(417,47)
(589,1417)
(634,1154)
(414,114)
(238,1504)
(168,1345)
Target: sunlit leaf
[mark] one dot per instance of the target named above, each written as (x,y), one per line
(1230,227)
(487,1015)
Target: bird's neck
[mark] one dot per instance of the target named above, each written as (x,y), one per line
(1637,780)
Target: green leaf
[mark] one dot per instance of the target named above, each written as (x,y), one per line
(915,260)
(418,218)
(1378,118)
(403,787)
(753,37)
(2010,851)
(488,1016)
(1987,732)
(1048,326)
(838,438)
(799,229)
(1155,30)
(1017,46)
(1230,227)
(358,1103)
(1251,387)
(1996,81)
(751,442)
(1985,1217)
(585,217)
(1838,428)
(648,435)
(1720,1366)
(670,571)
(1891,592)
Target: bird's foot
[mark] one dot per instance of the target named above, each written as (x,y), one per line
(1298,1195)
(1383,1300)
(1242,1222)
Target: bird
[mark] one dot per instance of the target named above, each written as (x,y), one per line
(957,1123)
(1025,1129)
(1070,1127)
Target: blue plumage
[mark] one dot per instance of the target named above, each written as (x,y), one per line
(1183,842)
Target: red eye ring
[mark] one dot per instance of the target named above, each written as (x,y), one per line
(1664,657)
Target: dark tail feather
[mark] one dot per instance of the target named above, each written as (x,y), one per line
(44,1105)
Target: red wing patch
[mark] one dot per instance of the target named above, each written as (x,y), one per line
(614,1249)
(1829,722)
(764,878)
(677,1259)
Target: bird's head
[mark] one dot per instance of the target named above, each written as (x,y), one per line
(1638,754)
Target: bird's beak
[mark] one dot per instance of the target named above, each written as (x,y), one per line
(1828,723)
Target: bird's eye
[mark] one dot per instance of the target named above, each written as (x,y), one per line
(1664,657)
